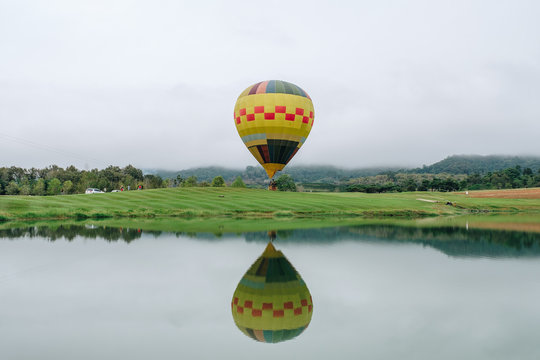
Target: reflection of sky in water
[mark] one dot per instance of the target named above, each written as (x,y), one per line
(169,297)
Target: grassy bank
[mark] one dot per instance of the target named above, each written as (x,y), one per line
(223,225)
(250,203)
(215,225)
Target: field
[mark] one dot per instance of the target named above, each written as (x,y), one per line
(255,204)
(531,193)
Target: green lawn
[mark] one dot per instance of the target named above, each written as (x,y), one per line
(251,203)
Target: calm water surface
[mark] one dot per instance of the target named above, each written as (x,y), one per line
(379,292)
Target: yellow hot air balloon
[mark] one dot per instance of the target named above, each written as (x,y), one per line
(272,303)
(273,118)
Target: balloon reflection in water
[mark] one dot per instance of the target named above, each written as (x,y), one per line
(272,303)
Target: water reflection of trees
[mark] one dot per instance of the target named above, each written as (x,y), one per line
(127,234)
(70,232)
(452,241)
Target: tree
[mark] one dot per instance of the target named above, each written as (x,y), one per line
(190,182)
(449,185)
(67,187)
(424,186)
(16,174)
(285,183)
(410,185)
(54,187)
(238,183)
(218,181)
(435,184)
(73,174)
(89,179)
(179,180)
(39,187)
(111,177)
(133,172)
(12,188)
(25,188)
(513,173)
(128,181)
(152,182)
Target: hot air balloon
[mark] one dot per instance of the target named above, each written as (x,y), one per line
(272,303)
(273,118)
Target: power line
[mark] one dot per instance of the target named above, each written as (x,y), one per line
(51,148)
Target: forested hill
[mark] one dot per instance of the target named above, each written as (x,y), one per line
(477,164)
(256,174)
(455,164)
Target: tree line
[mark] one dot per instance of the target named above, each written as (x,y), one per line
(509,178)
(217,181)
(283,182)
(55,180)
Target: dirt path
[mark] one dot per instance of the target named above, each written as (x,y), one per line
(531,193)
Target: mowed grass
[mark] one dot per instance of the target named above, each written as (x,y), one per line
(251,203)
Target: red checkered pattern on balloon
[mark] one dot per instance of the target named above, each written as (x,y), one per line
(276,312)
(243,115)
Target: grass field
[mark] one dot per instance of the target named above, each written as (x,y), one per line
(251,203)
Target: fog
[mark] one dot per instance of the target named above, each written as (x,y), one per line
(153,84)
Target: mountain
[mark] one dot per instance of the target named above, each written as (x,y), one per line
(257,175)
(455,164)
(471,164)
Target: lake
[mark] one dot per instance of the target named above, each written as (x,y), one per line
(378,292)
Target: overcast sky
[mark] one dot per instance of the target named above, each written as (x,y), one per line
(153,83)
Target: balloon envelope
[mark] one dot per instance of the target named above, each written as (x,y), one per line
(273,118)
(272,303)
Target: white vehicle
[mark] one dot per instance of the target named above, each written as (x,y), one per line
(115,191)
(93,191)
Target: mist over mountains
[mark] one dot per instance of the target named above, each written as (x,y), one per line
(455,164)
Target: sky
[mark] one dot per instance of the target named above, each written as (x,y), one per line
(154,83)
